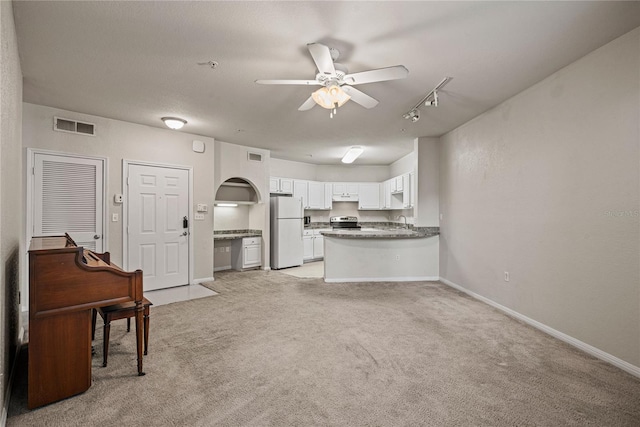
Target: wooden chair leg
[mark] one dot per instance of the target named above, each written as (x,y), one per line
(105,346)
(128,324)
(94,314)
(146,330)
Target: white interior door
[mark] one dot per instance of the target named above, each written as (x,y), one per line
(68,197)
(158,237)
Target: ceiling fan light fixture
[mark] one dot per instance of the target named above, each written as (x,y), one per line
(352,154)
(174,123)
(328,97)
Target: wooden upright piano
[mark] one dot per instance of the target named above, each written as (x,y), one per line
(65,283)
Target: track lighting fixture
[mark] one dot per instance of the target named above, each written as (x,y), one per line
(431,100)
(414,115)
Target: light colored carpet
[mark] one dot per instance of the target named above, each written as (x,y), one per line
(274,350)
(309,270)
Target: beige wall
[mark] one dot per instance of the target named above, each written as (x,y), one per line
(231,162)
(428,182)
(119,140)
(546,186)
(11,199)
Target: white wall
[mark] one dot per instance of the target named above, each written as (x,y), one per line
(428,178)
(11,199)
(546,186)
(231,162)
(289,169)
(231,218)
(119,140)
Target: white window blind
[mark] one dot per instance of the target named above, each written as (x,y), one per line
(68,197)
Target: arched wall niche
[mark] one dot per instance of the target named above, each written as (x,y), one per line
(237,189)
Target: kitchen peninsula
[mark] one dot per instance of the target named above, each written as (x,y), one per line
(381,255)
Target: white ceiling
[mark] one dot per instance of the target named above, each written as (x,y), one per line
(137,61)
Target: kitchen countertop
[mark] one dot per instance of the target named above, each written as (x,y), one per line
(235,234)
(384,233)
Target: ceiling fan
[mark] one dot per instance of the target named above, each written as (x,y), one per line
(337,84)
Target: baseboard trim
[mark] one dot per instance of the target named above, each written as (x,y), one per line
(384,279)
(205,279)
(266,268)
(587,348)
(222,268)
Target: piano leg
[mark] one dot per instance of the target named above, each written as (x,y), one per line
(139,330)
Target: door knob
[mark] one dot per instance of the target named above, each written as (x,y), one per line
(96,236)
(184,234)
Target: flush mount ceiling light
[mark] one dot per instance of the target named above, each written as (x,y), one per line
(431,100)
(352,154)
(174,122)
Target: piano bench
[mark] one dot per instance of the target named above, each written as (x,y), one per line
(115,312)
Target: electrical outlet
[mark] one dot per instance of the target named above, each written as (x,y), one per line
(114,217)
(506,276)
(397,257)
(198,217)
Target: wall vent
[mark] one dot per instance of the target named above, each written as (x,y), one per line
(255,157)
(73,126)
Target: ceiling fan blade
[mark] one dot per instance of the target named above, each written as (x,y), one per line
(287,82)
(380,75)
(322,57)
(360,97)
(308,104)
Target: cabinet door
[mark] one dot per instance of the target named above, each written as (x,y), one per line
(316,195)
(399,183)
(318,246)
(286,185)
(274,185)
(252,256)
(300,190)
(407,196)
(387,194)
(328,200)
(352,188)
(307,243)
(369,196)
(339,188)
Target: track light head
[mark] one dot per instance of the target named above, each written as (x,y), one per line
(432,101)
(414,115)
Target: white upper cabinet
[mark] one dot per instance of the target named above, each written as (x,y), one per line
(280,185)
(385,190)
(369,196)
(407,193)
(317,195)
(328,195)
(345,191)
(301,191)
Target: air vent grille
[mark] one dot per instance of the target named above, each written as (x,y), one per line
(255,157)
(73,126)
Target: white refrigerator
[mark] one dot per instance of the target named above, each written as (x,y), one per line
(287,227)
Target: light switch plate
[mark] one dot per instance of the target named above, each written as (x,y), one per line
(199,217)
(201,207)
(114,217)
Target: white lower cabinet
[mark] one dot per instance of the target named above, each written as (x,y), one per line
(313,243)
(246,253)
